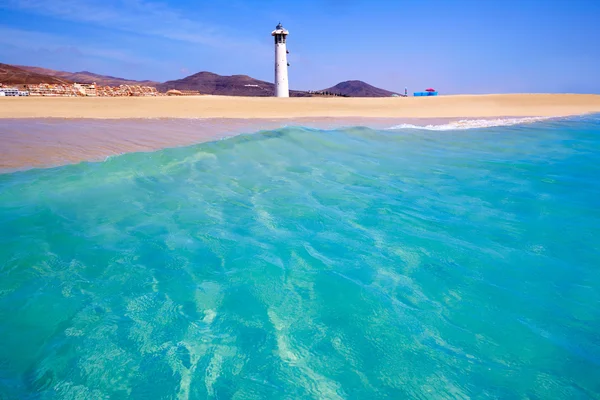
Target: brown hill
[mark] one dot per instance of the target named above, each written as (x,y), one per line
(235,85)
(86,77)
(358,89)
(209,83)
(11,75)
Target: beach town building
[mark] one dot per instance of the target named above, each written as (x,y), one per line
(53,90)
(86,89)
(89,90)
(126,91)
(81,90)
(9,91)
(12,92)
(282,88)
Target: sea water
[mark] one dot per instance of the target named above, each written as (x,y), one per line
(301,263)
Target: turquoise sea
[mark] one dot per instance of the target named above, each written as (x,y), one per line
(298,263)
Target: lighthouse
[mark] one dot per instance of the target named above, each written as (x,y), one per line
(282,86)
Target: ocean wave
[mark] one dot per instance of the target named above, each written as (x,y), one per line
(472,124)
(339,263)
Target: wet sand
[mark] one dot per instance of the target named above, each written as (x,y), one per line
(468,106)
(47,142)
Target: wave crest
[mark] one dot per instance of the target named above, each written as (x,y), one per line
(472,124)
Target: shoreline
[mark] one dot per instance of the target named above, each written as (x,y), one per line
(52,142)
(52,131)
(250,108)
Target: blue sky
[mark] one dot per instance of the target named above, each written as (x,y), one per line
(456,46)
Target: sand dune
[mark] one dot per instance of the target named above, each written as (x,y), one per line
(257,107)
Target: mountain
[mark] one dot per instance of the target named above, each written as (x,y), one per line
(11,75)
(203,82)
(235,85)
(86,77)
(358,89)
(209,83)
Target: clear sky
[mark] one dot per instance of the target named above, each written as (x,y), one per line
(455,46)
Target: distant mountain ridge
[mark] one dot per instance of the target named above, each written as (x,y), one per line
(203,82)
(11,75)
(211,83)
(222,85)
(358,89)
(86,77)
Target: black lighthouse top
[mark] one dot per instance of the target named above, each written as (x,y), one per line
(279,30)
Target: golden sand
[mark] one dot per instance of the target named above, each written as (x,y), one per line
(476,106)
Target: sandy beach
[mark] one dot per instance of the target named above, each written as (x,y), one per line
(43,132)
(468,106)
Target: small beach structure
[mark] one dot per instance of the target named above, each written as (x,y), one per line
(175,92)
(282,87)
(427,92)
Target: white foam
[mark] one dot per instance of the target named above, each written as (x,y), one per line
(473,124)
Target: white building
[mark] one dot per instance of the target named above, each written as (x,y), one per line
(9,91)
(86,89)
(282,86)
(13,92)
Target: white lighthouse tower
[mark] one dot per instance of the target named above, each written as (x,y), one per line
(282,86)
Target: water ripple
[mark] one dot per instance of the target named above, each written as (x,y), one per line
(307,263)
